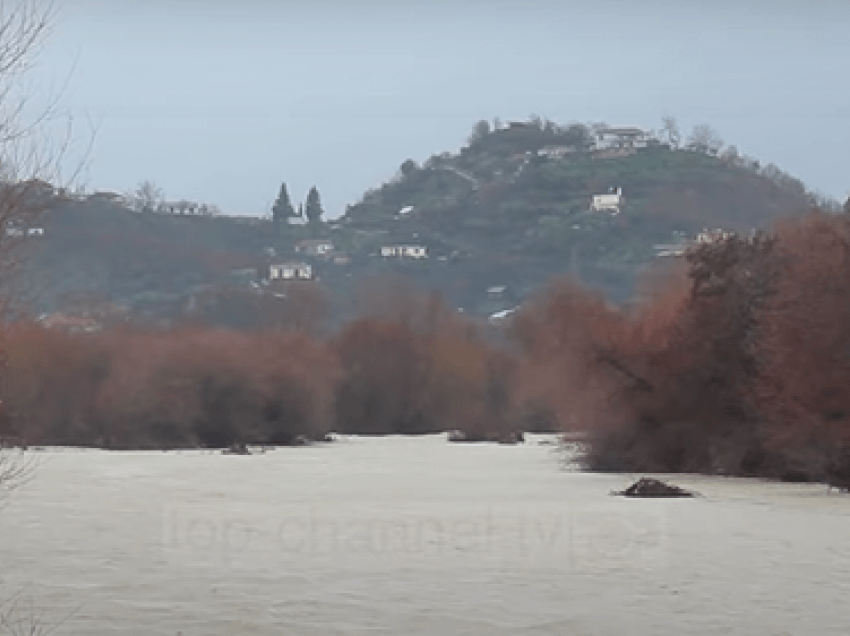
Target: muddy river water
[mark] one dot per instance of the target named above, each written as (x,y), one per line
(417,536)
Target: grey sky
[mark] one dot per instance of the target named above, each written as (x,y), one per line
(219,101)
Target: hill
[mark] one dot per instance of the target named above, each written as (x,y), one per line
(513,207)
(498,219)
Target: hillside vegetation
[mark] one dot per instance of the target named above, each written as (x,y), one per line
(498,213)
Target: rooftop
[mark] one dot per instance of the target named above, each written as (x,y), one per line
(627,131)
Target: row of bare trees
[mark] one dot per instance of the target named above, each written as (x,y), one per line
(417,370)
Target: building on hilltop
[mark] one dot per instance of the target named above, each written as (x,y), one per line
(621,138)
(109,197)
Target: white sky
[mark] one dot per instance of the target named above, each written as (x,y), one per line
(220,101)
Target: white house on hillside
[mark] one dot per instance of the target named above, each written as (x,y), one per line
(314,247)
(290,271)
(608,138)
(13,230)
(404,251)
(607,202)
(684,246)
(556,152)
(712,236)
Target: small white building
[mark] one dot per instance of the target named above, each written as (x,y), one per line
(290,271)
(670,250)
(556,152)
(314,247)
(683,247)
(502,316)
(713,236)
(19,231)
(608,138)
(404,251)
(607,202)
(497,291)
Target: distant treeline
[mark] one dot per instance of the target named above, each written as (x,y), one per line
(418,370)
(736,360)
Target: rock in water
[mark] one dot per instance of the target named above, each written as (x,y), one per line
(648,487)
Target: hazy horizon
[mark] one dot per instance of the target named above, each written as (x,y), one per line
(219,102)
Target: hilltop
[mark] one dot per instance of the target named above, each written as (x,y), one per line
(492,223)
(513,207)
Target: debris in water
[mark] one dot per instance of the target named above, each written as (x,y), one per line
(514,437)
(648,487)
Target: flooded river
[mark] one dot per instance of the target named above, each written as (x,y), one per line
(416,536)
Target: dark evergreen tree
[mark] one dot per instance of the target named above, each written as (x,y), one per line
(282,208)
(408,168)
(313,206)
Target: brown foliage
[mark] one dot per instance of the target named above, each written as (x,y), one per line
(804,345)
(294,306)
(738,363)
(423,370)
(191,387)
(413,366)
(735,361)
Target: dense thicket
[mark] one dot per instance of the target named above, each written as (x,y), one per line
(738,363)
(199,386)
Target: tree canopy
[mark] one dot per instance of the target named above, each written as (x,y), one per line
(313,206)
(282,208)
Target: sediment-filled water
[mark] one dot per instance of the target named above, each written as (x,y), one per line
(417,536)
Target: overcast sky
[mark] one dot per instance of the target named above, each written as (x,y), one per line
(219,101)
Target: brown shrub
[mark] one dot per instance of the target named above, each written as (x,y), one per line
(190,387)
(801,390)
(417,367)
(660,387)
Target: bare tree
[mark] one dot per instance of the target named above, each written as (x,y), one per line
(30,169)
(730,155)
(479,131)
(21,618)
(34,140)
(705,139)
(148,196)
(34,143)
(670,131)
